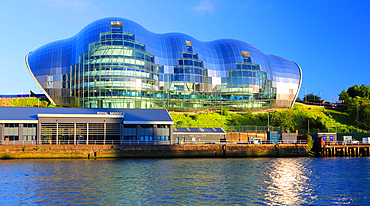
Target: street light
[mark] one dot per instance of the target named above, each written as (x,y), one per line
(268,120)
(221,114)
(313,97)
(305,88)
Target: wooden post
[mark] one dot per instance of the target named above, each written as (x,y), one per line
(334,151)
(358,151)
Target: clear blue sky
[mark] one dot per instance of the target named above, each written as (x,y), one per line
(329,39)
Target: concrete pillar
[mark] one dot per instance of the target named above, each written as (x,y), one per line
(155,132)
(74,134)
(122,131)
(56,138)
(138,131)
(2,133)
(87,133)
(171,134)
(20,132)
(38,133)
(105,132)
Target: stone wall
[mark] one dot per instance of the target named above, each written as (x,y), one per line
(5,102)
(151,151)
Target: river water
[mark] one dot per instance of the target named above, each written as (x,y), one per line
(244,181)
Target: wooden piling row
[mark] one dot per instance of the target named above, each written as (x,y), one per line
(346,151)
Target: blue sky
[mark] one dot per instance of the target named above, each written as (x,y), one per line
(329,39)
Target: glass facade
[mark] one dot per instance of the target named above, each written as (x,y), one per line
(116,63)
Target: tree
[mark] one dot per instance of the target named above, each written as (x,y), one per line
(344,96)
(357,97)
(313,98)
(359,91)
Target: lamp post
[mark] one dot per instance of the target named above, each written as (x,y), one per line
(305,93)
(221,113)
(268,120)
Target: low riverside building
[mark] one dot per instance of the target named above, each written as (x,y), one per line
(40,125)
(199,135)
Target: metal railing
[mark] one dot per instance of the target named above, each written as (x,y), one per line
(351,142)
(238,128)
(154,142)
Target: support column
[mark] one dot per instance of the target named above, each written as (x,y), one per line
(38,133)
(155,132)
(138,130)
(358,152)
(122,132)
(1,133)
(74,134)
(87,133)
(171,134)
(56,138)
(334,152)
(105,132)
(20,132)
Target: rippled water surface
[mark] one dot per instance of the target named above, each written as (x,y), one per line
(248,181)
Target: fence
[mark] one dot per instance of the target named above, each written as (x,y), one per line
(139,142)
(238,128)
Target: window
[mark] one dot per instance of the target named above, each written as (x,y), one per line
(11,132)
(29,132)
(50,81)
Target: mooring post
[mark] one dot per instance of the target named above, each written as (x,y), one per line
(358,151)
(334,151)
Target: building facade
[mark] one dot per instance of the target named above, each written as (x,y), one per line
(116,63)
(37,125)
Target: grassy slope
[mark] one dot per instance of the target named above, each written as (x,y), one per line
(291,118)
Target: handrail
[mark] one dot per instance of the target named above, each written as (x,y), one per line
(154,142)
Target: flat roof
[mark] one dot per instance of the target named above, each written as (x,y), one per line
(186,130)
(129,115)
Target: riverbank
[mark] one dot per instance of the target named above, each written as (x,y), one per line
(150,151)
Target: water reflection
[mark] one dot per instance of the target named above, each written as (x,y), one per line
(282,181)
(288,184)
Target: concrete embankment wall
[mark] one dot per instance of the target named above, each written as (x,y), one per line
(150,151)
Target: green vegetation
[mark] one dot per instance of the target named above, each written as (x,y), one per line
(37,148)
(312,98)
(357,101)
(24,149)
(310,143)
(319,119)
(30,102)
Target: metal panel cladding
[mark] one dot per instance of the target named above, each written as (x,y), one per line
(116,63)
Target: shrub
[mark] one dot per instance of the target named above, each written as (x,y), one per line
(37,148)
(310,143)
(24,149)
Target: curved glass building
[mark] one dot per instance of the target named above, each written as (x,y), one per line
(116,63)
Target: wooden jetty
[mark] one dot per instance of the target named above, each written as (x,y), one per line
(345,150)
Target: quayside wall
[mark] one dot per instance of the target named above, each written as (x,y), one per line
(150,151)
